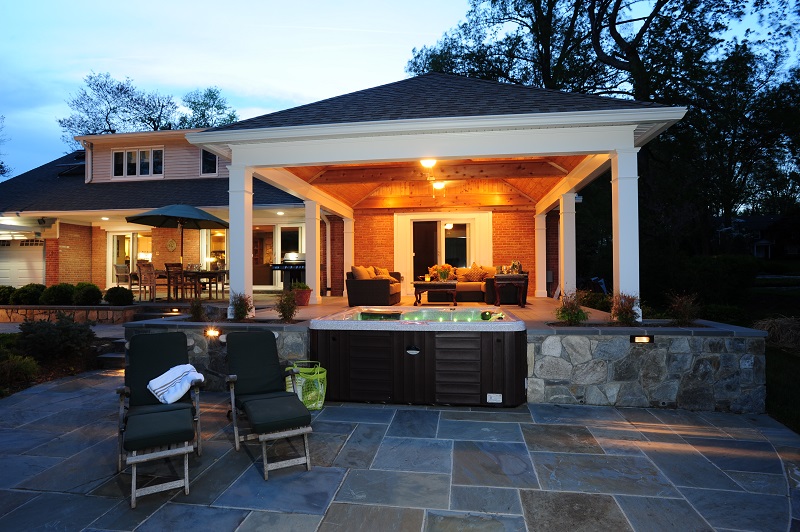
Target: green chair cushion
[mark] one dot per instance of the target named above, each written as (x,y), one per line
(253,358)
(152,409)
(242,399)
(157,429)
(150,355)
(276,414)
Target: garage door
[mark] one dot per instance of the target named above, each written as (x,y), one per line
(21,262)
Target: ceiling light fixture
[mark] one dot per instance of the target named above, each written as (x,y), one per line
(428,163)
(279,213)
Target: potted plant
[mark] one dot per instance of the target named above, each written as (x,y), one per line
(302,293)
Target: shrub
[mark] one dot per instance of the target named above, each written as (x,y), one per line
(242,306)
(27,295)
(595,300)
(87,294)
(624,309)
(570,311)
(5,294)
(286,306)
(782,331)
(119,296)
(299,286)
(62,341)
(58,294)
(197,311)
(683,309)
(16,371)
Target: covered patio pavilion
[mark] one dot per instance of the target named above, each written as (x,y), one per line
(502,150)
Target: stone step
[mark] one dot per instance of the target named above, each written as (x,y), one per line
(111,360)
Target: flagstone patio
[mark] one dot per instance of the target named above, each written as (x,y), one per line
(394,467)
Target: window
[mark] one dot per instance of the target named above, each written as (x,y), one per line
(208,163)
(138,162)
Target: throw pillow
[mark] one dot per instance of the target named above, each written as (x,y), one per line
(489,272)
(371,272)
(391,279)
(360,272)
(461,275)
(381,271)
(475,274)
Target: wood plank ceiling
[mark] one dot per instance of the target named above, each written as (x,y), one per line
(470,184)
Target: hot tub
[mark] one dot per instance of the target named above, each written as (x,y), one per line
(408,355)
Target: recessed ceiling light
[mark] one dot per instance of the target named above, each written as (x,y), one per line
(279,213)
(428,163)
(104,218)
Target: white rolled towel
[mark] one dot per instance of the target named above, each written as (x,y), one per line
(173,384)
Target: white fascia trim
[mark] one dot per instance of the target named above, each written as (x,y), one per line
(425,125)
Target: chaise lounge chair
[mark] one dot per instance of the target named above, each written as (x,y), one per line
(148,429)
(257,384)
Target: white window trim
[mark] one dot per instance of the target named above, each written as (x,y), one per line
(216,158)
(137,177)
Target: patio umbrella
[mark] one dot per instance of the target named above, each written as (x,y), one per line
(180,216)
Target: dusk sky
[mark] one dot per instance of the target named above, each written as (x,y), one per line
(264,55)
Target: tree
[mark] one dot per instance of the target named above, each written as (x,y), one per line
(543,43)
(5,170)
(206,109)
(107,105)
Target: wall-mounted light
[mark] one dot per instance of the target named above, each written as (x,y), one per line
(642,339)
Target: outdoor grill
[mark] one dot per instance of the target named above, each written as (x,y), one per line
(293,267)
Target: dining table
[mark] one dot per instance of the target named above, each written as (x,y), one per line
(210,277)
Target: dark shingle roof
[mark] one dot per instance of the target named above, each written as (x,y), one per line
(59,186)
(434,95)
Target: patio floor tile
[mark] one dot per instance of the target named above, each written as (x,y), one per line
(498,464)
(735,455)
(685,466)
(438,520)
(260,521)
(588,473)
(414,424)
(496,416)
(576,512)
(485,500)
(560,438)
(292,490)
(359,450)
(415,454)
(11,500)
(326,448)
(479,431)
(575,415)
(19,469)
(347,517)
(395,488)
(741,511)
(173,516)
(357,414)
(649,513)
(760,482)
(64,511)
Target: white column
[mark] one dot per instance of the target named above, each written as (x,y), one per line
(566,243)
(541,255)
(349,247)
(625,220)
(240,232)
(313,255)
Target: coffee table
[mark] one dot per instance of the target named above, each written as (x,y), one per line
(420,287)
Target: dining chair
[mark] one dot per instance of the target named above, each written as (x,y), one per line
(148,280)
(177,281)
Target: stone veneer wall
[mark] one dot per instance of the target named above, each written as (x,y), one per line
(99,314)
(711,373)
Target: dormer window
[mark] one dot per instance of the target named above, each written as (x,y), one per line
(138,162)
(208,163)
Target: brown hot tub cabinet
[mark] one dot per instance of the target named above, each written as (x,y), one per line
(423,367)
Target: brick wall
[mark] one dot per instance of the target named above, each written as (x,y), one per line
(51,262)
(553,218)
(514,235)
(373,240)
(99,259)
(69,258)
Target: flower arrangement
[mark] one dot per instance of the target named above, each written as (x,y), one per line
(443,271)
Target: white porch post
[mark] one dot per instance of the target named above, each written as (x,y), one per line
(240,232)
(625,220)
(313,258)
(349,248)
(541,255)
(566,243)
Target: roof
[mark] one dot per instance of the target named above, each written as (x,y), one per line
(59,186)
(435,95)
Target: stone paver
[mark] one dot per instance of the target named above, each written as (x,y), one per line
(403,468)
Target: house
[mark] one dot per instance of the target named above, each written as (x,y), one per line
(506,165)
